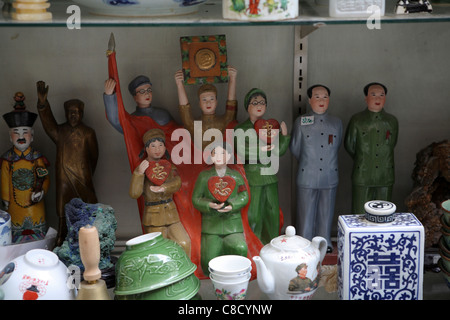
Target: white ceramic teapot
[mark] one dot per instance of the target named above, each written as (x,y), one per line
(288,268)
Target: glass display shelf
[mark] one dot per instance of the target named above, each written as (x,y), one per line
(210,14)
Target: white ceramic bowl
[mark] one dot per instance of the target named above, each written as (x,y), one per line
(229,265)
(140,8)
(231,290)
(36,275)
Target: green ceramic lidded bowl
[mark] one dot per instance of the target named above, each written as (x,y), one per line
(150,262)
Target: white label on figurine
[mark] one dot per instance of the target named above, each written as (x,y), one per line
(307,120)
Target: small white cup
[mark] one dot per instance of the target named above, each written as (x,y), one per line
(236,290)
(229,265)
(230,278)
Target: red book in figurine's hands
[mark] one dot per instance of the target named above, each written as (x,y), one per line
(267,129)
(158,171)
(221,187)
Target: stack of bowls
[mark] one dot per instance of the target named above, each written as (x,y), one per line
(444,241)
(155,268)
(230,275)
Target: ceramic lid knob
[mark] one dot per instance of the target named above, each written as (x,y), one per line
(290,231)
(90,252)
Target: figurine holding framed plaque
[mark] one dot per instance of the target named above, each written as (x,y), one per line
(204,59)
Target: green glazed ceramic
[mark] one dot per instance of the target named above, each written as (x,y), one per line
(444,249)
(446,236)
(184,289)
(445,260)
(150,262)
(444,272)
(446,215)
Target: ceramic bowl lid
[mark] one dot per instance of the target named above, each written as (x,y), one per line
(379,207)
(290,241)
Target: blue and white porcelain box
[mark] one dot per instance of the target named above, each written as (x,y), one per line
(380,261)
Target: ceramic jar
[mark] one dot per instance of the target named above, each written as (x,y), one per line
(36,275)
(288,268)
(356,8)
(5,228)
(150,262)
(380,261)
(264,10)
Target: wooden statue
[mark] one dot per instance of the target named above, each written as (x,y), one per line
(76,154)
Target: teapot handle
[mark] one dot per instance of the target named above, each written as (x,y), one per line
(321,244)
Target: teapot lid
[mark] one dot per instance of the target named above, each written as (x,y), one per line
(290,241)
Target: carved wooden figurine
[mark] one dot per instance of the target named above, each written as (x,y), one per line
(76,154)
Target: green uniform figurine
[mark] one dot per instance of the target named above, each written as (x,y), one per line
(370,140)
(220,194)
(264,210)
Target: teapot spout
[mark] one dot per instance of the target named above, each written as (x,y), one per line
(266,281)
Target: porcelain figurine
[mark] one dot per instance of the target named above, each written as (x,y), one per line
(316,139)
(288,267)
(76,154)
(134,127)
(264,212)
(157,180)
(24,176)
(370,140)
(207,95)
(220,194)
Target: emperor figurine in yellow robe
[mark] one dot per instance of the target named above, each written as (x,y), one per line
(24,178)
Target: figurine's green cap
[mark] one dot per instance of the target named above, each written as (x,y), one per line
(253,92)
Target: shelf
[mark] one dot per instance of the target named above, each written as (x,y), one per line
(210,14)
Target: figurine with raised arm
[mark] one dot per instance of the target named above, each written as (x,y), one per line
(24,176)
(76,154)
(316,139)
(370,140)
(157,179)
(207,95)
(264,211)
(220,194)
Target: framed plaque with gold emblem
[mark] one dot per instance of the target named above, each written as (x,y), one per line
(204,59)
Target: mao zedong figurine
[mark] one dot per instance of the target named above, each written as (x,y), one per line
(76,154)
(24,177)
(207,95)
(157,179)
(220,194)
(315,143)
(370,140)
(264,211)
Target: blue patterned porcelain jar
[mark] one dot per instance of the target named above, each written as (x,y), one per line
(5,228)
(380,261)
